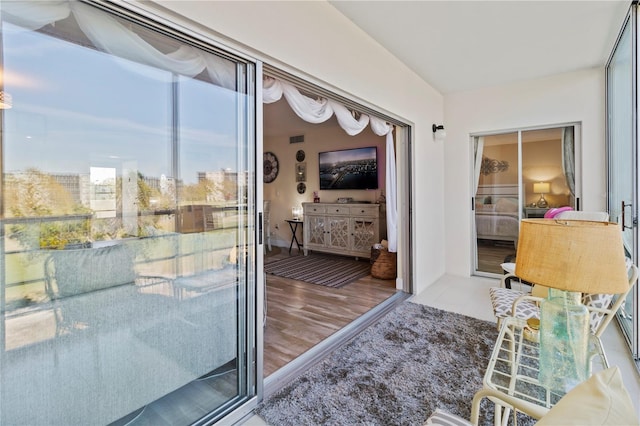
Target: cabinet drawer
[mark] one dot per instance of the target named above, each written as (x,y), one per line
(338,210)
(370,211)
(314,209)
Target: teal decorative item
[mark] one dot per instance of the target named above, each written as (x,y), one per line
(570,257)
(564,340)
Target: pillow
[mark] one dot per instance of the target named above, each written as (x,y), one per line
(85,270)
(507,205)
(600,400)
(551,213)
(484,208)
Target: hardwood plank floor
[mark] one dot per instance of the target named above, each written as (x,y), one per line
(492,253)
(301,315)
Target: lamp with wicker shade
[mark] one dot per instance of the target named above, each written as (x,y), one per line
(570,257)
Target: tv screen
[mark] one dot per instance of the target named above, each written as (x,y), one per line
(349,168)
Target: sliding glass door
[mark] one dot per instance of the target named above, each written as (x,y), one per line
(519,174)
(622,145)
(127,202)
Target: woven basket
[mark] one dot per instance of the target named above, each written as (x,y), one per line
(384,264)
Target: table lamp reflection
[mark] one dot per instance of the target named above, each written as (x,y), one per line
(542,188)
(570,257)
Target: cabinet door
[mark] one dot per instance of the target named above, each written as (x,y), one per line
(315,228)
(338,236)
(363,233)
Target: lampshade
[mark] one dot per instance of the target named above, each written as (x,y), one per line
(541,188)
(572,255)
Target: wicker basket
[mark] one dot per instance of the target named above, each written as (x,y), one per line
(383,264)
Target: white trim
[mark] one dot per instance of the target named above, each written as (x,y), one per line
(525,129)
(499,189)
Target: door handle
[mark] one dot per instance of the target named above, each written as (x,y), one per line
(624,225)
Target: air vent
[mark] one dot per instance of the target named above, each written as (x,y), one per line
(296,139)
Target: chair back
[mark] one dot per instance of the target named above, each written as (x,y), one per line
(594,216)
(77,271)
(620,300)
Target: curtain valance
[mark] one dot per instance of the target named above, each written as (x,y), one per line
(108,35)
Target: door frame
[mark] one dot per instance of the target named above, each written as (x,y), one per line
(519,130)
(632,336)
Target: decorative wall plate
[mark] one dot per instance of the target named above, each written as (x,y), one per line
(301,188)
(300,155)
(271,167)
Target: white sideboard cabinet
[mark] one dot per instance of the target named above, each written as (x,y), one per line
(347,229)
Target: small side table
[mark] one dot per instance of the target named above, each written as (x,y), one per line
(511,379)
(535,212)
(293,225)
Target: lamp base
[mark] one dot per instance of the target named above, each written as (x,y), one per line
(542,203)
(564,341)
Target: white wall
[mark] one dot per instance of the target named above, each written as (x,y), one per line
(314,38)
(571,97)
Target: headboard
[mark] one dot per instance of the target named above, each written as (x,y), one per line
(498,198)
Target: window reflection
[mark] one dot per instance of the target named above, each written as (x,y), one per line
(124,189)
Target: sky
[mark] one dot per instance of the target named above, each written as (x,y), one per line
(75,107)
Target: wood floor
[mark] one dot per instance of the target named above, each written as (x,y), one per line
(300,314)
(492,253)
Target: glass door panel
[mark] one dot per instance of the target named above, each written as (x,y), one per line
(548,171)
(519,175)
(125,283)
(497,200)
(622,145)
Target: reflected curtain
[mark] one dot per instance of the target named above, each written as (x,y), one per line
(478,148)
(569,158)
(108,35)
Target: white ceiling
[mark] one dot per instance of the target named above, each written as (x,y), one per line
(464,45)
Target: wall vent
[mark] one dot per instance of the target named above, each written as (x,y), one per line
(296,139)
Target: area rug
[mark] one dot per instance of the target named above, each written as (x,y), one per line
(327,270)
(397,372)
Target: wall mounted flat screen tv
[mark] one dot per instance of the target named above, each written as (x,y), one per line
(349,168)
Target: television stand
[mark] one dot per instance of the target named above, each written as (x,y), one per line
(348,229)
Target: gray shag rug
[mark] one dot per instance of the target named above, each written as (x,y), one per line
(397,372)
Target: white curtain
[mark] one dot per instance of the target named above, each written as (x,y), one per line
(477,151)
(312,110)
(569,158)
(108,35)
(319,111)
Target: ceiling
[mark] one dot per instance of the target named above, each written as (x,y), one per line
(466,45)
